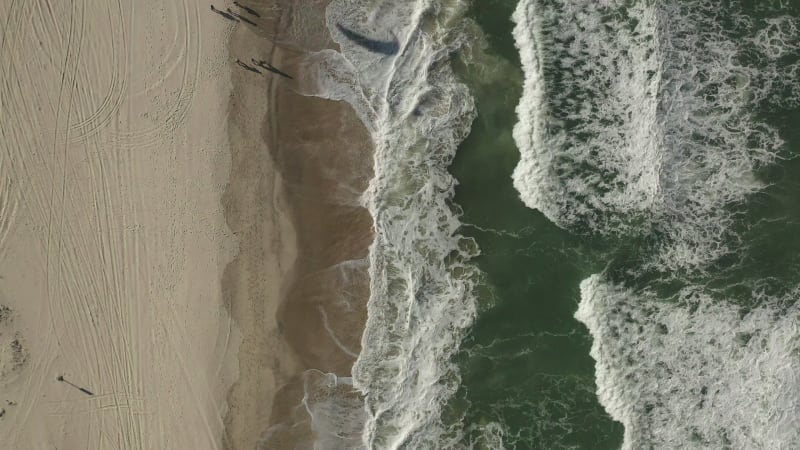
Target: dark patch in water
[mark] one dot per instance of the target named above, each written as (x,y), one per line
(373,45)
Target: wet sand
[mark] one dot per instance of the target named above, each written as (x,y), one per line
(311,165)
(323,155)
(257,212)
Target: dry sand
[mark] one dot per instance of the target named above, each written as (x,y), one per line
(113,237)
(177,235)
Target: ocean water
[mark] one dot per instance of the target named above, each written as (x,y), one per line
(657,167)
(587,219)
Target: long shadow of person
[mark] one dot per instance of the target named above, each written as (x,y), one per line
(267,66)
(250,11)
(247,67)
(224,14)
(242,18)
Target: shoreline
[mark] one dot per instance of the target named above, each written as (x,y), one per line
(325,155)
(319,154)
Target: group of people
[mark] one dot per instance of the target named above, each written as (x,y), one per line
(236,17)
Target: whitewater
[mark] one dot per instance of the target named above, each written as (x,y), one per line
(644,122)
(393,69)
(643,127)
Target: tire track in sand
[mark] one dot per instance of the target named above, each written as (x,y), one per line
(35,382)
(74,302)
(74,163)
(93,123)
(189,55)
(11,138)
(9,200)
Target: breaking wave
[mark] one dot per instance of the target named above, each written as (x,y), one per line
(697,372)
(647,121)
(393,68)
(641,118)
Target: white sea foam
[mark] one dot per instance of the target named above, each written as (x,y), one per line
(421,298)
(331,408)
(640,118)
(698,373)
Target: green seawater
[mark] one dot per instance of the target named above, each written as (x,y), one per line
(525,364)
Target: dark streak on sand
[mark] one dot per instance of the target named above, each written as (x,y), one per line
(224,14)
(250,11)
(267,66)
(243,19)
(247,67)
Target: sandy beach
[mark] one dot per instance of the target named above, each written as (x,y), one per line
(115,157)
(178,240)
(114,238)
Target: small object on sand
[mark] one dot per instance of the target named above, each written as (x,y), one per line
(224,14)
(250,11)
(85,391)
(243,19)
(246,67)
(2,412)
